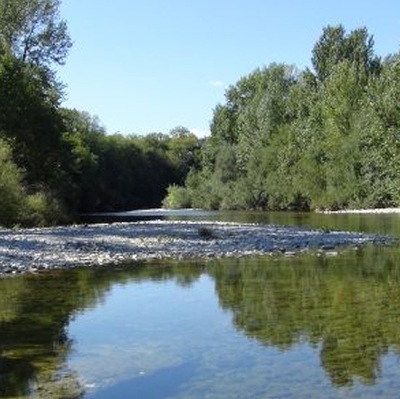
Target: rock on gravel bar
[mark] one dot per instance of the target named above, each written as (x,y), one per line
(30,250)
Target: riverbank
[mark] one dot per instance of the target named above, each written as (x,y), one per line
(364,211)
(33,250)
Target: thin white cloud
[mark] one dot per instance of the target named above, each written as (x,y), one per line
(216,83)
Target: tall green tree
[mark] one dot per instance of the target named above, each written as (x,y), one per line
(33,38)
(33,31)
(29,119)
(320,138)
(183,152)
(335,46)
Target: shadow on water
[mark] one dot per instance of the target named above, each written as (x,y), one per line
(147,215)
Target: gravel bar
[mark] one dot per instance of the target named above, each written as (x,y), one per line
(32,250)
(364,211)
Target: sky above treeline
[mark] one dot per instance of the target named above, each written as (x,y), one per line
(146,66)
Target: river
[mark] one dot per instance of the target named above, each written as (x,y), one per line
(266,327)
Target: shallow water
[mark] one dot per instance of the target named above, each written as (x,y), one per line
(371,223)
(299,327)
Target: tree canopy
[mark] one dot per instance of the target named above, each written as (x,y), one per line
(325,137)
(49,155)
(284,138)
(33,31)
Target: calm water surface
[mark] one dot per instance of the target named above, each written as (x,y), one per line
(301,327)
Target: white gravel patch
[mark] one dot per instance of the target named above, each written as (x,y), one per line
(30,250)
(366,211)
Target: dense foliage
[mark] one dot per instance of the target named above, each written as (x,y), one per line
(57,162)
(284,139)
(115,172)
(322,138)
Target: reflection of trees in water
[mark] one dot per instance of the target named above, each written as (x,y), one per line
(349,305)
(32,331)
(33,338)
(34,315)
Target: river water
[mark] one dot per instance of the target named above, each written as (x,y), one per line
(281,327)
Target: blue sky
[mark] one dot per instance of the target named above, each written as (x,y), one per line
(146,66)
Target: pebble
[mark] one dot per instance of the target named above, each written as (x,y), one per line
(25,250)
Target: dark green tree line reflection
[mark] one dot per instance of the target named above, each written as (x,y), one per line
(35,312)
(347,305)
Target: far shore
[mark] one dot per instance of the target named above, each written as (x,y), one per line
(371,211)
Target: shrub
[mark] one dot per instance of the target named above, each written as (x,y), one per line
(177,198)
(11,191)
(41,209)
(16,206)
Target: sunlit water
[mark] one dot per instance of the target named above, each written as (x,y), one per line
(300,327)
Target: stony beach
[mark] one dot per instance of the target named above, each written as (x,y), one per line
(33,250)
(364,211)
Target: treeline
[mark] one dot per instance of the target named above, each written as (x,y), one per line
(326,137)
(55,162)
(116,172)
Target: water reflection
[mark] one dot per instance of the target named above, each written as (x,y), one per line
(163,383)
(349,305)
(35,312)
(274,315)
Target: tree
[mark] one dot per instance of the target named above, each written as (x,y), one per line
(32,39)
(223,124)
(29,119)
(33,31)
(334,46)
(311,139)
(379,139)
(328,51)
(183,148)
(261,106)
(11,192)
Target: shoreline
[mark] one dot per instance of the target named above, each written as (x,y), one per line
(363,211)
(39,249)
